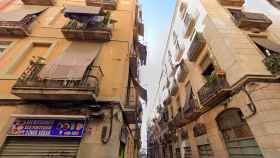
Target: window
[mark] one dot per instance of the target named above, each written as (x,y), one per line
(3,46)
(207,67)
(209,70)
(183,9)
(189,25)
(175,38)
(172,112)
(178,102)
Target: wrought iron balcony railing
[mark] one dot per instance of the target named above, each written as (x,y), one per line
(31,87)
(73,31)
(250,21)
(39,2)
(106,4)
(17,28)
(214,91)
(188,113)
(235,3)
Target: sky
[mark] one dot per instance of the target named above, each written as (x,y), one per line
(157,17)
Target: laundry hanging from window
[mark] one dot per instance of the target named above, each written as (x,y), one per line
(142,52)
(133,73)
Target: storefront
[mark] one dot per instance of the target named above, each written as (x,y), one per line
(44,136)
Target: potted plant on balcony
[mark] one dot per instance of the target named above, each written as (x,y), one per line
(272,63)
(213,78)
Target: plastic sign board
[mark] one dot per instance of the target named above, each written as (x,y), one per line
(47,128)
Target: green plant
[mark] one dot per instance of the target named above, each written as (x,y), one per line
(107,18)
(272,63)
(212,79)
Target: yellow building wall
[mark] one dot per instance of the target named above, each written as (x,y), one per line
(46,40)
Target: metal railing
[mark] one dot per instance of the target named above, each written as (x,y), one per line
(101,31)
(249,20)
(107,4)
(30,79)
(20,28)
(211,88)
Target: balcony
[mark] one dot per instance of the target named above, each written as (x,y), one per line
(166,97)
(99,33)
(130,109)
(250,21)
(215,90)
(20,29)
(39,2)
(30,87)
(173,87)
(188,113)
(130,116)
(196,46)
(106,4)
(17,22)
(87,23)
(132,100)
(234,3)
(181,72)
(191,110)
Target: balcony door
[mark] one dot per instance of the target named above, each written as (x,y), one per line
(237,135)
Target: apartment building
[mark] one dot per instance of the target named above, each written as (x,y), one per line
(69,78)
(219,90)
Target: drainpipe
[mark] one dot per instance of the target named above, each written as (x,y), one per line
(251,105)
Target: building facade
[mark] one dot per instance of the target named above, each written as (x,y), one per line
(219,90)
(69,80)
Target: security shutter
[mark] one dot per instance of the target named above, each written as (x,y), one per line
(27,147)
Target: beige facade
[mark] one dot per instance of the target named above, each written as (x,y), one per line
(222,90)
(111,97)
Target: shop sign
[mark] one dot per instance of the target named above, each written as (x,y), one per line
(47,128)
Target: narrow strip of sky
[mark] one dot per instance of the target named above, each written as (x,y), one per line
(157,16)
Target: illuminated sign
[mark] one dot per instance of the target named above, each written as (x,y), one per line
(47,128)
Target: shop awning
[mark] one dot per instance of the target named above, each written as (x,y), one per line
(73,63)
(89,10)
(21,12)
(266,43)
